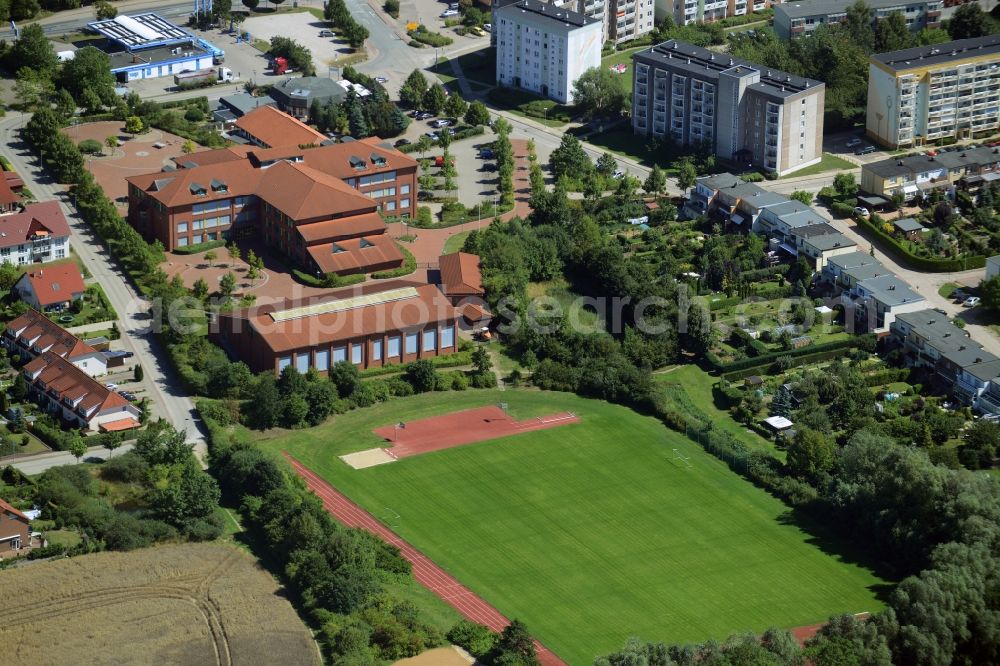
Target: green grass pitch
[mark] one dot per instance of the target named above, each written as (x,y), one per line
(593,532)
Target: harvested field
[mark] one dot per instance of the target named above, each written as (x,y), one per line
(180,604)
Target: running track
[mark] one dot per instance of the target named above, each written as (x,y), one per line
(425,571)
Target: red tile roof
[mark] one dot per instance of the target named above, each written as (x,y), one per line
(61,378)
(44,335)
(13,180)
(36,219)
(55,284)
(460,274)
(335,159)
(7,195)
(275,128)
(7,508)
(302,193)
(342,227)
(217,156)
(356,255)
(121,424)
(427,305)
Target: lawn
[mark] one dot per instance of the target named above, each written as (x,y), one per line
(455,242)
(622,58)
(595,532)
(827,163)
(688,386)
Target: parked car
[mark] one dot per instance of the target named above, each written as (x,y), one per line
(971,302)
(439,161)
(424,195)
(489,166)
(449,12)
(326,33)
(440,122)
(959,296)
(433,136)
(854,142)
(867,150)
(381,79)
(861,211)
(477,31)
(402,142)
(129,354)
(111,387)
(618,175)
(488,27)
(486,153)
(423,115)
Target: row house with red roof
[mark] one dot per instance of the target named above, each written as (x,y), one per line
(77,399)
(33,334)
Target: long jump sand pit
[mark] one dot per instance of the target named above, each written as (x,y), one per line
(461,428)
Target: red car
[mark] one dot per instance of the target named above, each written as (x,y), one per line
(439,161)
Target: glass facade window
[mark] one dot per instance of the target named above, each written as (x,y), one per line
(302,362)
(284,362)
(322,359)
(448,337)
(430,340)
(377,350)
(340,354)
(356,354)
(411,343)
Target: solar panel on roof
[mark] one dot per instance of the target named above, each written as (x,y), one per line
(344,304)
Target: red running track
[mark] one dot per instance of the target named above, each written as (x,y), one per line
(460,428)
(425,571)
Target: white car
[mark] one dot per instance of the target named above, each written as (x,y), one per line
(971,302)
(111,387)
(854,142)
(381,79)
(618,175)
(488,27)
(449,12)
(441,122)
(861,211)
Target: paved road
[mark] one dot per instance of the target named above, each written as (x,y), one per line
(166,391)
(73,20)
(43,461)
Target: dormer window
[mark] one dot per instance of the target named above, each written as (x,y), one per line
(336,249)
(378,160)
(219,186)
(366,243)
(357,163)
(198,189)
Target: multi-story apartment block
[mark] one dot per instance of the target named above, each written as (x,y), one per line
(799,19)
(687,12)
(318,206)
(915,174)
(544,48)
(745,113)
(35,234)
(927,93)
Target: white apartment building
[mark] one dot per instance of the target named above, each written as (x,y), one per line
(543,48)
(36,234)
(800,19)
(923,94)
(687,12)
(748,114)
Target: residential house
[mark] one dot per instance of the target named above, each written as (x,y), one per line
(10,188)
(79,400)
(51,288)
(33,334)
(793,20)
(877,301)
(820,242)
(369,326)
(846,269)
(36,233)
(15,531)
(918,174)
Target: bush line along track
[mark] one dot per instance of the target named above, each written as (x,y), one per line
(197,595)
(427,573)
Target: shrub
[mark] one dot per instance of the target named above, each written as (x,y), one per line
(89,146)
(194,115)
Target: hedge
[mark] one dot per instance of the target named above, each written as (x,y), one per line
(455,360)
(331,280)
(199,247)
(797,360)
(409,265)
(425,36)
(896,250)
(767,359)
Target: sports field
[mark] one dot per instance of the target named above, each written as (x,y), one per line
(592,532)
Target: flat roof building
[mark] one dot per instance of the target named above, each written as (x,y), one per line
(748,114)
(296,95)
(369,326)
(800,19)
(928,93)
(144,46)
(544,48)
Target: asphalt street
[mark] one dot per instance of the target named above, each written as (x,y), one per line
(37,464)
